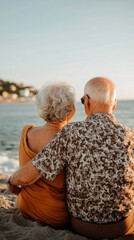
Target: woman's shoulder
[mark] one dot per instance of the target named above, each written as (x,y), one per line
(33,131)
(34,134)
(27,128)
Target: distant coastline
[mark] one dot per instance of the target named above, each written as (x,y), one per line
(18,100)
(11,92)
(32,100)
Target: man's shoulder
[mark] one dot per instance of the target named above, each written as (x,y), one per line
(126,128)
(72,128)
(73,125)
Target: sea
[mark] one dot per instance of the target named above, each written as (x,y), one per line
(13,117)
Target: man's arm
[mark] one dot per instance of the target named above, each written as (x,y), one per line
(26,175)
(48,163)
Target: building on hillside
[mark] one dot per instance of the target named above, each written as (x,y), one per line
(24,92)
(13,87)
(5,94)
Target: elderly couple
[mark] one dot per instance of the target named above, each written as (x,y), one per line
(87,164)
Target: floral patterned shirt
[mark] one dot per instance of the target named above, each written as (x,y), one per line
(98,155)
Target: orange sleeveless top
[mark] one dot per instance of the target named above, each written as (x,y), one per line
(43,201)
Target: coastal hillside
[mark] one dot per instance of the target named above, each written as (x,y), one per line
(11,91)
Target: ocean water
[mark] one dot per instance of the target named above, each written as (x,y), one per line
(14,116)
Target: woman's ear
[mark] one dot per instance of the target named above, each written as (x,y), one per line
(87,105)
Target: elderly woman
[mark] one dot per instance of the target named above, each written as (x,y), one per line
(45,201)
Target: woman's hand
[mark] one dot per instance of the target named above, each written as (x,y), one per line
(12,188)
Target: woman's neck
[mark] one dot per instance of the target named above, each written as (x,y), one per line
(58,125)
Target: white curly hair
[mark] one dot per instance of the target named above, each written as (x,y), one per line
(55,101)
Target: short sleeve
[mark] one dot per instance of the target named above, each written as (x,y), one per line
(51,160)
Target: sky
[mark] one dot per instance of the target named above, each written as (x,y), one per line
(73,41)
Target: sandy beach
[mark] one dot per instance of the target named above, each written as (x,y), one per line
(13,226)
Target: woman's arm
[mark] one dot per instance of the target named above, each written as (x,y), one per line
(25,176)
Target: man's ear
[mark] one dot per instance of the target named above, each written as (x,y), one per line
(87,105)
(115,105)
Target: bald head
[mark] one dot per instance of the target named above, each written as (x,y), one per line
(101,90)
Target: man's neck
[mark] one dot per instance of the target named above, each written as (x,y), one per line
(100,108)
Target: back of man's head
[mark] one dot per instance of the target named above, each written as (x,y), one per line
(101,90)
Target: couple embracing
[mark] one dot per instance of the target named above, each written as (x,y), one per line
(79,172)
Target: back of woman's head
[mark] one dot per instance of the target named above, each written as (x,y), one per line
(101,90)
(55,101)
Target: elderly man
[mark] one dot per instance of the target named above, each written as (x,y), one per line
(98,155)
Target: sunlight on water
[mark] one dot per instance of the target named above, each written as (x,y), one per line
(14,116)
